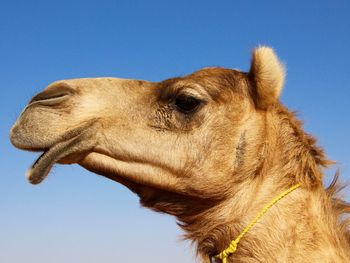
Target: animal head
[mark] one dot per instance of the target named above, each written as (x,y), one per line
(189,136)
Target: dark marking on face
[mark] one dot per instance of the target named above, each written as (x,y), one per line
(163,118)
(240,151)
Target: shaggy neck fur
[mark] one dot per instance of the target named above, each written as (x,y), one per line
(296,226)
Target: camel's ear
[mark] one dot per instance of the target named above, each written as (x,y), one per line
(266,75)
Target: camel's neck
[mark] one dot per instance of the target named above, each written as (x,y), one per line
(299,228)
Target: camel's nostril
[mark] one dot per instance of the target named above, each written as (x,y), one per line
(52,95)
(49,100)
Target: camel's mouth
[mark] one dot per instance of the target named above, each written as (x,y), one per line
(66,149)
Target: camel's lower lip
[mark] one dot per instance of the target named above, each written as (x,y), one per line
(41,168)
(32,175)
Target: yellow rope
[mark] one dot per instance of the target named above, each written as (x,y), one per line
(234,243)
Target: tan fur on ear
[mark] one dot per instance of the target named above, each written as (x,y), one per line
(267,75)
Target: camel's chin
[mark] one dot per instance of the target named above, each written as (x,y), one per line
(101,164)
(108,167)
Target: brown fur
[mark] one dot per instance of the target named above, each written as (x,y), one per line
(213,168)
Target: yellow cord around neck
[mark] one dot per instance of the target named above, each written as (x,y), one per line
(234,243)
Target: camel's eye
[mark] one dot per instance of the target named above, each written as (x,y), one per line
(186,103)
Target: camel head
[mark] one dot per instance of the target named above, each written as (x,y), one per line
(183,138)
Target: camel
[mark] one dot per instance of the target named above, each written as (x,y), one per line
(211,148)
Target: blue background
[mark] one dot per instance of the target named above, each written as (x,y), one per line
(76,216)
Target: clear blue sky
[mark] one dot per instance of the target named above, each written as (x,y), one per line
(76,216)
